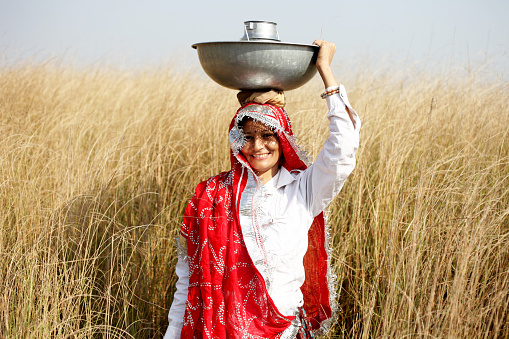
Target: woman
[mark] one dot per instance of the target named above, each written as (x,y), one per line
(253,261)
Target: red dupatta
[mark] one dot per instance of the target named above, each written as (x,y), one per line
(227,297)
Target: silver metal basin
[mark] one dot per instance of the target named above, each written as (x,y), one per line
(253,65)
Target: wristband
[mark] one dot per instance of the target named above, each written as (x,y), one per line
(329,93)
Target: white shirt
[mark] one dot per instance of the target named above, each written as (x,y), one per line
(287,205)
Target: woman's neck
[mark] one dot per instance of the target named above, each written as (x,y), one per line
(266,176)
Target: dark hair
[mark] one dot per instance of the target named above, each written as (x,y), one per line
(246,119)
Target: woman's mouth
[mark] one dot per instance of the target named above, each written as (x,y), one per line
(260,156)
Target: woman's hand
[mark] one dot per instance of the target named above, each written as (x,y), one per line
(325,55)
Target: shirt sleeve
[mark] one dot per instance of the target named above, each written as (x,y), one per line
(178,307)
(323,180)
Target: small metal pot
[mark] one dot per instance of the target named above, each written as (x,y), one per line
(260,30)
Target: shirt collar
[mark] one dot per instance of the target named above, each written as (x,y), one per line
(282,178)
(285,177)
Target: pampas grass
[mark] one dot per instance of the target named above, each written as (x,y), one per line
(97,166)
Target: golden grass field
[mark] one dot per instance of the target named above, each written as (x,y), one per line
(97,165)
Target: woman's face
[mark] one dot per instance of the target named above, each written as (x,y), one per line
(262,149)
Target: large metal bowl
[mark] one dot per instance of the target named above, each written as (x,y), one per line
(254,65)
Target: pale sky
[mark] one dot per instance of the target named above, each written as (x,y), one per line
(152,32)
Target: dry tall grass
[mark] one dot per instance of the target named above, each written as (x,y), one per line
(96,167)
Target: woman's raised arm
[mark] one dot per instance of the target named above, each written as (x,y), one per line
(323,62)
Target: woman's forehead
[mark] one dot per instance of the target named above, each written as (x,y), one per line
(250,125)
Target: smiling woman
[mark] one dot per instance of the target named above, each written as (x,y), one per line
(254,250)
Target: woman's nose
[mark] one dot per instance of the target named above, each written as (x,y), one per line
(258,143)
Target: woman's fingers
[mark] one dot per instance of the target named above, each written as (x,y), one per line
(326,53)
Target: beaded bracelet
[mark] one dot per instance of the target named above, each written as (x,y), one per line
(330,92)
